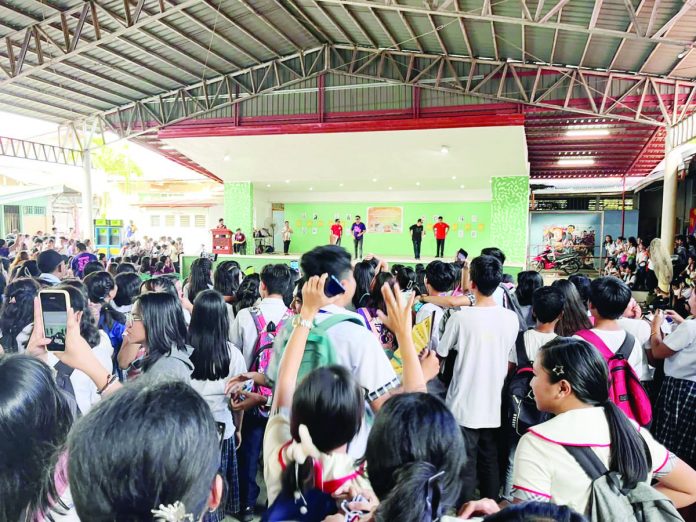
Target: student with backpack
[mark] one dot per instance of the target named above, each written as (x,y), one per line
(440,278)
(574,458)
(609,298)
(253,332)
(327,408)
(482,335)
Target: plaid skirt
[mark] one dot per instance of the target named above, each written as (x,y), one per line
(675,418)
(228,471)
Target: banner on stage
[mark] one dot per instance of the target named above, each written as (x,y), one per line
(385,220)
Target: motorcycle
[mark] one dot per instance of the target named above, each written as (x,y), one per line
(569,263)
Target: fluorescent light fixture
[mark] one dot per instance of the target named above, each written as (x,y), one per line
(167,147)
(444,149)
(682,54)
(575,162)
(584,133)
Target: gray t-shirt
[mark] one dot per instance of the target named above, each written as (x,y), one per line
(176,366)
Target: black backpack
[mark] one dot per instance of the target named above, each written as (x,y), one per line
(62,376)
(511,303)
(522,412)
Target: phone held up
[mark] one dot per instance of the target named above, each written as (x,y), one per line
(54,312)
(333,287)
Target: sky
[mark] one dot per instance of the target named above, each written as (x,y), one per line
(154,166)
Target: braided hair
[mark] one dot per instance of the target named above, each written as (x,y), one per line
(17,311)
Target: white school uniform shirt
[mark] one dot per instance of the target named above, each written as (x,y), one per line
(426,311)
(358,350)
(533,340)
(214,391)
(545,471)
(614,339)
(85,390)
(640,329)
(682,365)
(244,333)
(483,337)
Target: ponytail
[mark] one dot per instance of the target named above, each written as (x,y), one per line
(411,499)
(629,454)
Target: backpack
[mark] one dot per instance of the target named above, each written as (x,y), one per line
(319,351)
(447,366)
(511,303)
(62,376)
(625,388)
(263,350)
(386,338)
(610,500)
(521,407)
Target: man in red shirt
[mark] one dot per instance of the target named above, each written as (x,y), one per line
(336,232)
(441,229)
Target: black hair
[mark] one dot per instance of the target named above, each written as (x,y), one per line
(527,282)
(632,241)
(330,259)
(165,327)
(159,284)
(486,273)
(128,288)
(145,265)
(199,278)
(610,296)
(91,267)
(79,303)
(495,252)
(29,268)
(17,311)
(125,267)
(277,278)
(582,285)
(36,418)
(376,300)
(356,216)
(586,371)
(611,239)
(536,512)
(441,276)
(548,303)
(406,277)
(247,293)
(363,273)
(429,441)
(186,461)
(81,246)
(99,286)
(207,334)
(439,217)
(508,279)
(227,278)
(336,220)
(574,316)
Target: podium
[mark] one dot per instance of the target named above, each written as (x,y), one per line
(222,240)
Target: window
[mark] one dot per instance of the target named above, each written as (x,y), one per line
(34,211)
(154,221)
(169,220)
(199,221)
(185,221)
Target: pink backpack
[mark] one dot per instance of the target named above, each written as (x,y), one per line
(625,388)
(263,350)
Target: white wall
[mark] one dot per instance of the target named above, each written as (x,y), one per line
(263,215)
(383,195)
(193,236)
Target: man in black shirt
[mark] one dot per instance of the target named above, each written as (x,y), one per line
(417,234)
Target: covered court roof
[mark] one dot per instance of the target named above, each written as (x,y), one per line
(137,66)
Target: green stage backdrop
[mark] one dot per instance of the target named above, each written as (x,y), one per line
(470,222)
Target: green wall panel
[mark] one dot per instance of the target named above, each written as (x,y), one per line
(239,209)
(475,226)
(510,217)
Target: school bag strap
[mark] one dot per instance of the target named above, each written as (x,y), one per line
(588,461)
(522,359)
(623,352)
(321,327)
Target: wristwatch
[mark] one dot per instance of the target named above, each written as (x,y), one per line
(298,321)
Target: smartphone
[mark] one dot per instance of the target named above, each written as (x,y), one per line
(333,287)
(461,257)
(295,265)
(54,311)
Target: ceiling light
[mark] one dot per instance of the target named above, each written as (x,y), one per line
(682,54)
(340,184)
(390,188)
(578,133)
(374,180)
(417,183)
(461,186)
(311,188)
(287,181)
(575,162)
(226,157)
(166,147)
(444,149)
(454,177)
(268,185)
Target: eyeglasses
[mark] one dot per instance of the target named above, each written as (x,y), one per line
(132,318)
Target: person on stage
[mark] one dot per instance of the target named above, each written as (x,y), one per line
(417,233)
(336,232)
(287,234)
(239,244)
(358,228)
(441,229)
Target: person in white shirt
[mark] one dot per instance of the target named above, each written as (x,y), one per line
(633,322)
(570,379)
(483,336)
(52,267)
(215,363)
(609,297)
(440,278)
(675,411)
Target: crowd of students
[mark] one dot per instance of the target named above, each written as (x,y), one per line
(170,399)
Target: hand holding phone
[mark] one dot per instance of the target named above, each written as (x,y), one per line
(333,287)
(54,313)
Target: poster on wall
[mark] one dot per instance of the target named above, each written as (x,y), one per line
(565,233)
(385,220)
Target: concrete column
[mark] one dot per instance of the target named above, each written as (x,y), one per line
(669,193)
(87,211)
